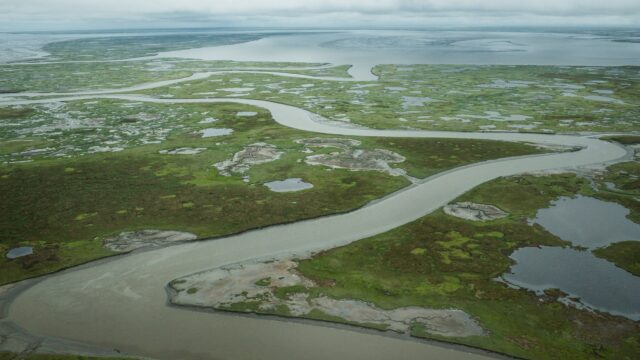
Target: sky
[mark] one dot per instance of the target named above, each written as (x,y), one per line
(19,15)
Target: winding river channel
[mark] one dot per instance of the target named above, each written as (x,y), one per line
(120,303)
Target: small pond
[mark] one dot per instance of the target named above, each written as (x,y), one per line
(288,185)
(19,252)
(590,223)
(211,132)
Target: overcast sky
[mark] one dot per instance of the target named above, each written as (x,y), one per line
(82,14)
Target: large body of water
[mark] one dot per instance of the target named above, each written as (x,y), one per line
(366,48)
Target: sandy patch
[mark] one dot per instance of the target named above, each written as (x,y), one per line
(474,212)
(131,240)
(257,283)
(352,158)
(257,153)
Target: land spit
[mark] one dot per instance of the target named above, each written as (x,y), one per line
(256,287)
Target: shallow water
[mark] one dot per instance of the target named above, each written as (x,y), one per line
(211,132)
(367,48)
(19,252)
(288,185)
(588,222)
(599,284)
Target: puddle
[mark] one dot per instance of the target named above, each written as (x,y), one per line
(211,132)
(19,252)
(246,113)
(208,120)
(604,99)
(239,89)
(288,185)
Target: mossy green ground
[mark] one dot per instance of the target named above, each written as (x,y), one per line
(126,47)
(624,139)
(624,254)
(441,261)
(64,207)
(626,180)
(450,97)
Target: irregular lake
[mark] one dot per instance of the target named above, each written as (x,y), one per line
(588,222)
(598,283)
(19,252)
(288,185)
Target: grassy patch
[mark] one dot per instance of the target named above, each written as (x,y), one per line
(61,201)
(624,139)
(264,282)
(8,113)
(625,178)
(457,270)
(452,97)
(624,254)
(522,196)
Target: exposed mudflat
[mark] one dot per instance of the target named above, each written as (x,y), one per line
(253,286)
(474,212)
(351,157)
(257,153)
(131,240)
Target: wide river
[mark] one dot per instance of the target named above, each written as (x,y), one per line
(121,303)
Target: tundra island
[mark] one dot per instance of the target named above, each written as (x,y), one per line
(320,194)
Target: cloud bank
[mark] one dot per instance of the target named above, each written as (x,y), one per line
(44,14)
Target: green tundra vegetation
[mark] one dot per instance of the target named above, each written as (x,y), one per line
(621,184)
(440,261)
(624,139)
(624,254)
(450,97)
(75,173)
(109,48)
(66,199)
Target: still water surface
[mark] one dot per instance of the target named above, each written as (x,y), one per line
(590,223)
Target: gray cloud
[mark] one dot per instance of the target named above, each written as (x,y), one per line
(17,14)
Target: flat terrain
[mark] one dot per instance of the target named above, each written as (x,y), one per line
(107,145)
(441,262)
